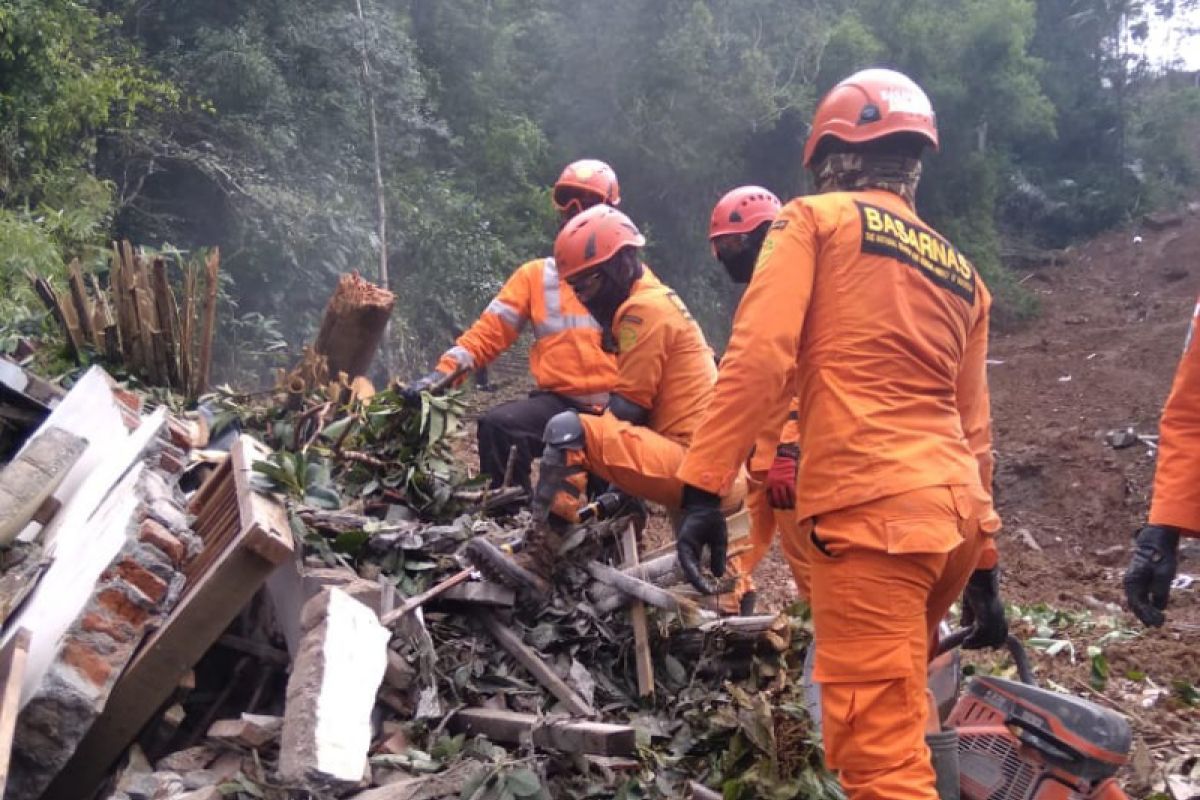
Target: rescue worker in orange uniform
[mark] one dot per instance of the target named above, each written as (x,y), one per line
(665,376)
(570,366)
(1175,507)
(736,231)
(885,324)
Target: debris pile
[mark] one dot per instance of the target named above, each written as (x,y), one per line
(192,614)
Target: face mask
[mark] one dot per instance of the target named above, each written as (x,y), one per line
(741,266)
(739,262)
(617,279)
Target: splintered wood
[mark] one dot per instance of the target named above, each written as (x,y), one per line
(353,325)
(137,321)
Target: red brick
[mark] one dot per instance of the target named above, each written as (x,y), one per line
(119,604)
(90,664)
(116,630)
(151,585)
(154,533)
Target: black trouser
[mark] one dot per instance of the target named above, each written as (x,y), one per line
(520,423)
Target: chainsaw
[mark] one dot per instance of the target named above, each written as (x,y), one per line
(1009,739)
(1016,741)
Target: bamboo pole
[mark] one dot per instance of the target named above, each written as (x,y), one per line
(187,333)
(211,267)
(168,319)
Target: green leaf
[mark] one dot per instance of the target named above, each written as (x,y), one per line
(523,783)
(351,542)
(323,497)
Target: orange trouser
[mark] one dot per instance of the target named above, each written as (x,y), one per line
(644,464)
(795,549)
(878,593)
(764,521)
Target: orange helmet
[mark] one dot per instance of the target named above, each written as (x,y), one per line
(585,183)
(869,105)
(742,210)
(593,237)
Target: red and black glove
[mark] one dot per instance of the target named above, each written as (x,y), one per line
(781,477)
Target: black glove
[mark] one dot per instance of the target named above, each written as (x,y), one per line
(983,611)
(702,524)
(412,392)
(1151,570)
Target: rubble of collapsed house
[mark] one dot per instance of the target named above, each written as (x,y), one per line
(265,599)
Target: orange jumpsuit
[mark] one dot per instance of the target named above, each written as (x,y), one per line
(664,365)
(885,323)
(1176,500)
(567,357)
(765,520)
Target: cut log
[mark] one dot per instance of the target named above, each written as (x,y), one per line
(568,736)
(527,657)
(647,592)
(765,634)
(353,325)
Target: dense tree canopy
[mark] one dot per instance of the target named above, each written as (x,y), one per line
(246,124)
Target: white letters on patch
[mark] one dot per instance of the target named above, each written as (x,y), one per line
(906,102)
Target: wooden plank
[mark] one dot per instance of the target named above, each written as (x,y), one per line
(12,675)
(117,283)
(83,307)
(417,601)
(480,593)
(448,783)
(637,614)
(168,320)
(265,524)
(530,660)
(63,312)
(569,736)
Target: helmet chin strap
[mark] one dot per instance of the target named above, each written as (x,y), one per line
(848,172)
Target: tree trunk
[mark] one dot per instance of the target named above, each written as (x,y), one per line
(353,326)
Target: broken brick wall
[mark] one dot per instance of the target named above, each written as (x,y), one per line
(133,595)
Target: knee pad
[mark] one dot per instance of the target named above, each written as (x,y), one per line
(564,431)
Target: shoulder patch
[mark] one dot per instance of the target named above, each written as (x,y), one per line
(779,224)
(627,336)
(885,234)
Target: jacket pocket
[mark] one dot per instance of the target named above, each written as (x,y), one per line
(922,535)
